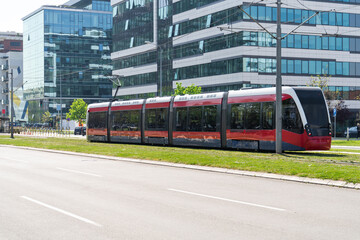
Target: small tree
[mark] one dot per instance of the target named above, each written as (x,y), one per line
(181,90)
(46,117)
(77,111)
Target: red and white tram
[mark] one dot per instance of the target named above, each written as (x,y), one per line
(243,119)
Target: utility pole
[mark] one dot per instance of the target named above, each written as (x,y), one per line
(60,104)
(161,73)
(278,112)
(12,105)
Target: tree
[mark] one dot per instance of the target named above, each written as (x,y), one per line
(46,117)
(181,90)
(77,111)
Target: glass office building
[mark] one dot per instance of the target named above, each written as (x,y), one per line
(216,45)
(67,55)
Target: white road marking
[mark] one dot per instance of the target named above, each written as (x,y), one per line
(15,160)
(61,211)
(74,171)
(228,200)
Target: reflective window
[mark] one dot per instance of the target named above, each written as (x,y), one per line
(194,119)
(252,116)
(237,116)
(126,120)
(290,117)
(268,115)
(325,43)
(156,119)
(297,66)
(297,41)
(97,120)
(210,119)
(290,66)
(180,118)
(305,67)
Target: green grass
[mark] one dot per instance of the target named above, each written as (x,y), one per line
(325,165)
(355,143)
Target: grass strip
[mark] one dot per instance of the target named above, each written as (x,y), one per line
(354,143)
(324,165)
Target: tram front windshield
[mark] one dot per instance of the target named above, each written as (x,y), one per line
(314,105)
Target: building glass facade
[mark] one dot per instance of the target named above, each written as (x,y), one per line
(215,45)
(67,55)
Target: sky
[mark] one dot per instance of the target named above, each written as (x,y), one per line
(12,11)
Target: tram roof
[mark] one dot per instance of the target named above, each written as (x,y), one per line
(98,105)
(197,97)
(258,91)
(128,103)
(158,100)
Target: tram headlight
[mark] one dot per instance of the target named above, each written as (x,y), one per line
(308,130)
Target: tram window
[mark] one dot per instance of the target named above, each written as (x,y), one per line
(156,119)
(181,119)
(252,116)
(237,116)
(290,117)
(195,119)
(97,120)
(150,119)
(314,107)
(126,120)
(210,114)
(268,115)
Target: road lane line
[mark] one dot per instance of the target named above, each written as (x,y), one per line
(74,171)
(228,200)
(61,211)
(15,160)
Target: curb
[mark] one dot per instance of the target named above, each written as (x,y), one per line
(324,182)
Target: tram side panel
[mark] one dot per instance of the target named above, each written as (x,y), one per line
(125,124)
(251,123)
(197,123)
(157,121)
(97,123)
(251,126)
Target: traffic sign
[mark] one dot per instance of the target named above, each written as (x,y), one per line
(334,113)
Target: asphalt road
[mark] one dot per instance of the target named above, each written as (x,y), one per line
(57,196)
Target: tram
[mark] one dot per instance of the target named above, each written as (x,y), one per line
(242,119)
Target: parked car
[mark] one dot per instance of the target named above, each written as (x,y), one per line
(83,131)
(352,132)
(80,131)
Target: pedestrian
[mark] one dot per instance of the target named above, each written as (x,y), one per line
(358,130)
